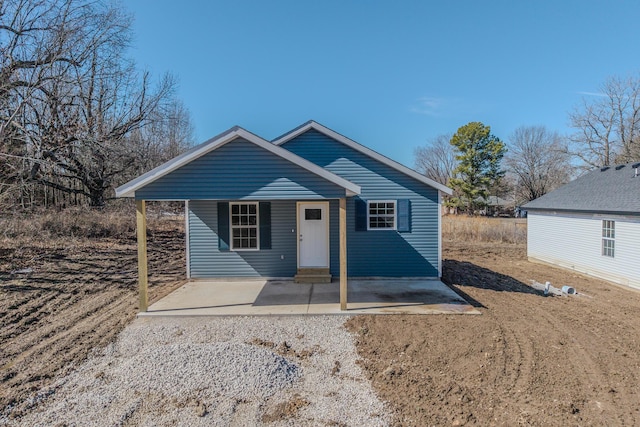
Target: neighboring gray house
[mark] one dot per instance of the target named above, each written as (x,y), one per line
(496,205)
(591,225)
(301,205)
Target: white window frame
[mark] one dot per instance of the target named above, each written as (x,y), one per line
(608,238)
(395,215)
(232,227)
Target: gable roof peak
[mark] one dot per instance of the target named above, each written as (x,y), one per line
(312,124)
(129,189)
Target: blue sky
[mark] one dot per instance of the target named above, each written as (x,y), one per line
(390,75)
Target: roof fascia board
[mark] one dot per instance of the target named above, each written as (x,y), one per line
(581,211)
(129,189)
(361,148)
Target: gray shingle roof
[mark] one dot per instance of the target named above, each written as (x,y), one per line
(613,189)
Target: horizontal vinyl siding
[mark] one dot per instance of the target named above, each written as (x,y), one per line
(575,242)
(377,253)
(205,260)
(240,170)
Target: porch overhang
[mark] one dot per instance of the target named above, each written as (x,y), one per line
(141,234)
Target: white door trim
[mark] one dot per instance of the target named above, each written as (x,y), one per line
(328,227)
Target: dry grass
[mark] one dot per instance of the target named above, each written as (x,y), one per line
(77,223)
(70,223)
(483,229)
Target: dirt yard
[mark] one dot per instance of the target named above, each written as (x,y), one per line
(72,296)
(527,360)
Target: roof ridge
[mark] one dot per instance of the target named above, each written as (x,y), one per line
(308,122)
(312,124)
(609,189)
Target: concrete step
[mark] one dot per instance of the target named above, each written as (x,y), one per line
(313,270)
(313,275)
(312,278)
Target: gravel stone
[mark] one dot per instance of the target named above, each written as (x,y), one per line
(237,370)
(203,371)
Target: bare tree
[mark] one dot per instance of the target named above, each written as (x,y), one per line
(172,129)
(437,159)
(34,38)
(34,49)
(608,124)
(169,133)
(70,108)
(537,161)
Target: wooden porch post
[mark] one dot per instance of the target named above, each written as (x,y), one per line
(141,227)
(343,253)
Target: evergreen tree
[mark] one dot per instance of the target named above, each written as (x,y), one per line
(479,154)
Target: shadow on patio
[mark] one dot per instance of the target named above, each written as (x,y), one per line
(284,297)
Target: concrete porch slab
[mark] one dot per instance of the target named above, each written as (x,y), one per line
(284,297)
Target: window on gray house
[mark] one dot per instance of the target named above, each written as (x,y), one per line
(608,237)
(382,215)
(244,226)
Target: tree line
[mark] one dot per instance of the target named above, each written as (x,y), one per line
(535,160)
(77,118)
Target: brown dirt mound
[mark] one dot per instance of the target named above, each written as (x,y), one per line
(70,298)
(527,360)
(286,410)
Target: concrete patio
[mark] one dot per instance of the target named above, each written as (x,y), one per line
(284,297)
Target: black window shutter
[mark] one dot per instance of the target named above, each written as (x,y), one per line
(404,215)
(223,226)
(361,214)
(265,225)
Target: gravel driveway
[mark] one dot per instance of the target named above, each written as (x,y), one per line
(296,370)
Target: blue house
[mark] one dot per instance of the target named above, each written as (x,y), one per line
(312,204)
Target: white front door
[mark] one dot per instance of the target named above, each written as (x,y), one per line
(313,234)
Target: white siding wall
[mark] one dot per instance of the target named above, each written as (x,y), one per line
(575,241)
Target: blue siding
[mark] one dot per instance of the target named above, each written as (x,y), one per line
(206,260)
(240,170)
(377,253)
